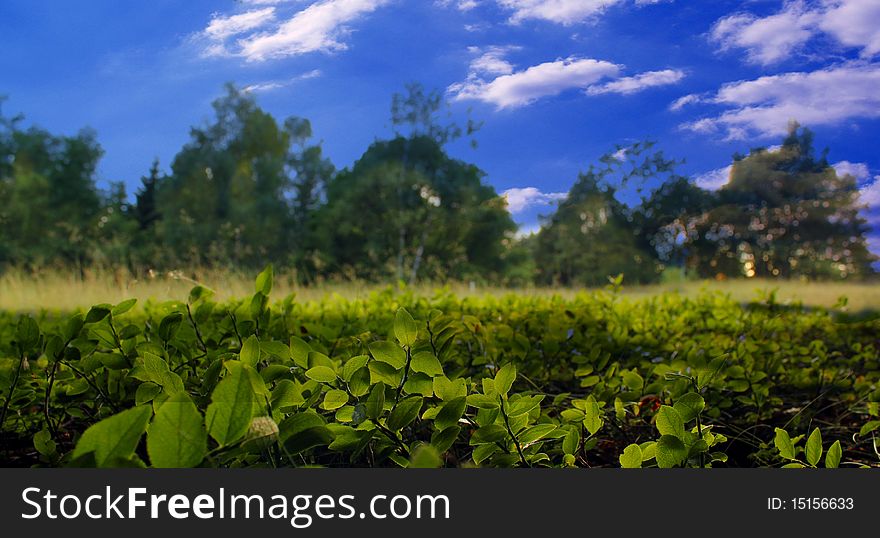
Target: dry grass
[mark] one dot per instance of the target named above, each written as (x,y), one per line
(56,291)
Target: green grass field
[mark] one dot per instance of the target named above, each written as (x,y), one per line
(54,291)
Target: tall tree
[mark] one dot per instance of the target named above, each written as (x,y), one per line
(225,200)
(785,213)
(433,216)
(594,235)
(51,203)
(310,171)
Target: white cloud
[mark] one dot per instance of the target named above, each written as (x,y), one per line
(768,39)
(637,83)
(764,106)
(855,23)
(318,27)
(713,179)
(518,200)
(857,170)
(267,2)
(525,87)
(222,27)
(491,60)
(870,194)
(461,5)
(493,79)
(263,34)
(560,11)
(261,87)
(682,102)
(771,39)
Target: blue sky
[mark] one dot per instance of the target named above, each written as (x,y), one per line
(557,82)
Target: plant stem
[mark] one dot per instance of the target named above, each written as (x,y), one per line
(405,375)
(522,456)
(11,390)
(92,384)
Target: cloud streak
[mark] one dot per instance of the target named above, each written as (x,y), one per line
(764,107)
(261,34)
(493,79)
(775,38)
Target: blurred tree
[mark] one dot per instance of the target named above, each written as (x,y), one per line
(310,171)
(50,201)
(594,235)
(784,213)
(434,217)
(146,209)
(225,201)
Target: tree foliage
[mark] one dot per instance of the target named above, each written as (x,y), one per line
(248,189)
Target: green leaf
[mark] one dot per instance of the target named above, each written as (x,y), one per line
(156,369)
(492,433)
(316,358)
(44,444)
(322,374)
(286,394)
(275,349)
(524,405)
(633,381)
(27,333)
(97,313)
(443,440)
(146,392)
(250,351)
(783,444)
(419,383)
(450,413)
(404,412)
(426,363)
(670,452)
(689,406)
(381,372)
(334,399)
(406,329)
(572,441)
(263,283)
(592,416)
(814,447)
(504,378)
(123,307)
(482,401)
(304,431)
(169,325)
(352,365)
(177,438)
(425,457)
(869,427)
(832,458)
(231,409)
(73,326)
(669,422)
(535,433)
(389,353)
(631,457)
(299,351)
(449,390)
(376,401)
(115,437)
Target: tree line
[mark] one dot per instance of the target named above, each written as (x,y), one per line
(248,189)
